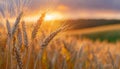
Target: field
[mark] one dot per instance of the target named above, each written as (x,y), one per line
(47,46)
(110,32)
(51,37)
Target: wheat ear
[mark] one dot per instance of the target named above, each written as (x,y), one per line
(34,33)
(37,26)
(45,42)
(16,23)
(8,28)
(17,54)
(25,37)
(19,37)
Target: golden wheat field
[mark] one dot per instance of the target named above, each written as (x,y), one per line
(46,40)
(26,46)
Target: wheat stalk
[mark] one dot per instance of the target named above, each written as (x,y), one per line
(8,40)
(34,33)
(12,35)
(95,59)
(64,63)
(112,60)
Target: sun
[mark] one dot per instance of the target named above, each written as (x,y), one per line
(53,16)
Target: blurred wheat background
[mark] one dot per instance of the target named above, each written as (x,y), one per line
(42,45)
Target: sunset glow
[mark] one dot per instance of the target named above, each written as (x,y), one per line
(59,34)
(72,9)
(53,16)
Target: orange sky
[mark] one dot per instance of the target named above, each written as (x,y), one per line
(75,9)
(69,9)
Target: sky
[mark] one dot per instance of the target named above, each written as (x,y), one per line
(73,9)
(105,9)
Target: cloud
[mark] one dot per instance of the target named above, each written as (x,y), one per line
(74,4)
(71,7)
(92,4)
(79,5)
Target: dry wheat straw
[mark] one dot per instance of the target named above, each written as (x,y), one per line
(9,43)
(8,40)
(64,64)
(95,59)
(77,56)
(53,60)
(112,60)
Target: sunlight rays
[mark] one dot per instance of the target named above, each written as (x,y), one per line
(53,16)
